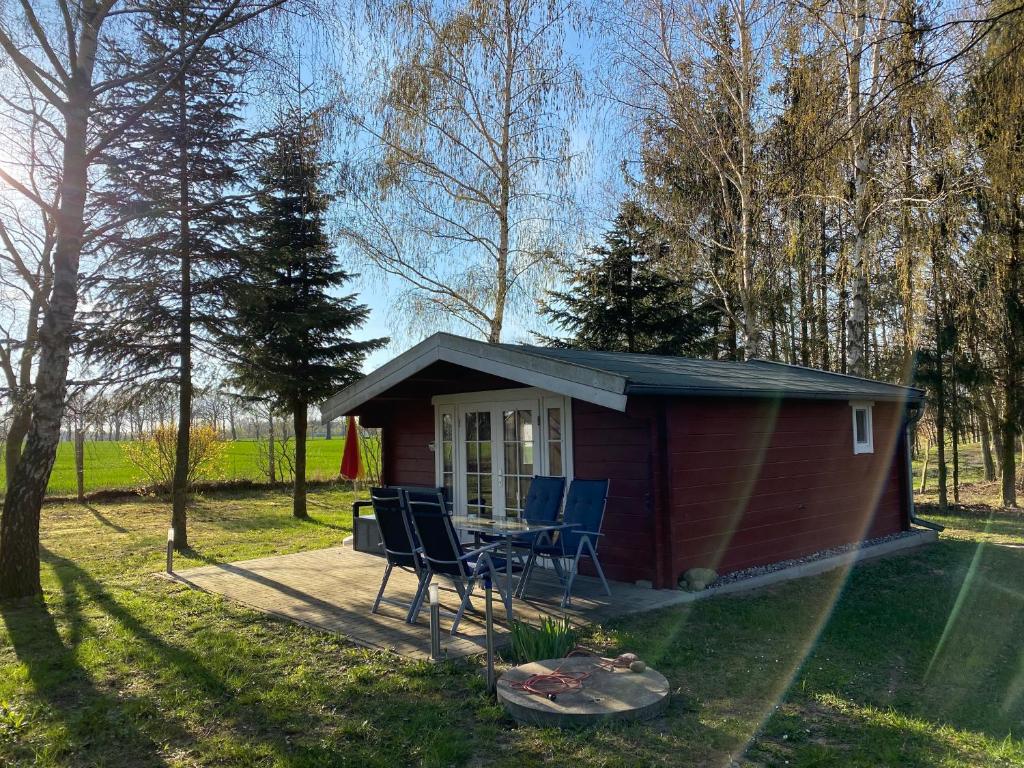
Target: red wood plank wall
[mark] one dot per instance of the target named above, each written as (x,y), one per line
(607,444)
(406,457)
(754,482)
(617,446)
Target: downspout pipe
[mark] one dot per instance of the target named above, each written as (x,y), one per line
(912,416)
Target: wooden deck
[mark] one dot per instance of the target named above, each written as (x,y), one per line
(333,590)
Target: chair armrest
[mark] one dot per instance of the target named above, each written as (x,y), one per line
(357,505)
(481,550)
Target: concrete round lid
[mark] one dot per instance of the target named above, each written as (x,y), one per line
(604,695)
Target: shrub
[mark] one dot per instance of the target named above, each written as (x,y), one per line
(553,639)
(154,455)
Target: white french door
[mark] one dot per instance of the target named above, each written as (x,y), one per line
(488,450)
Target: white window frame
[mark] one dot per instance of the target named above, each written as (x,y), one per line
(538,400)
(867,407)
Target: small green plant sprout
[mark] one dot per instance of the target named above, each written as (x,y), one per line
(553,639)
(12,721)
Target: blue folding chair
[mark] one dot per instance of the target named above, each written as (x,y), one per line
(584,513)
(542,505)
(399,544)
(444,555)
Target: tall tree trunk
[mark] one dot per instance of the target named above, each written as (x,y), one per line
(986,445)
(940,374)
(19,426)
(1013,353)
(179,484)
(856,331)
(823,293)
(997,434)
(504,184)
(271,456)
(955,442)
(299,489)
(19,525)
(80,460)
(924,466)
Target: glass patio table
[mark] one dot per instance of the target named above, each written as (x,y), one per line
(509,530)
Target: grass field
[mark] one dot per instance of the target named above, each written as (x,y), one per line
(107,467)
(914,660)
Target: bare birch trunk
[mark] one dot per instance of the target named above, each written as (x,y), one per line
(856,338)
(19,525)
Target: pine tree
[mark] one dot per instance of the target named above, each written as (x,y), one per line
(291,333)
(175,176)
(620,299)
(994,116)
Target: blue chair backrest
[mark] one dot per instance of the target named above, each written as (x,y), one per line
(584,506)
(393,523)
(433,527)
(544,499)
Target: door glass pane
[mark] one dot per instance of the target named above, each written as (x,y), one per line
(511,501)
(555,458)
(446,426)
(478,464)
(554,423)
(511,460)
(524,489)
(518,448)
(485,457)
(555,466)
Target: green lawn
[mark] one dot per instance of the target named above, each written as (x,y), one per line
(914,660)
(974,489)
(106,466)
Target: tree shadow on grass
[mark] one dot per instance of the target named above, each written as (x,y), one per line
(71,695)
(221,684)
(323,524)
(100,517)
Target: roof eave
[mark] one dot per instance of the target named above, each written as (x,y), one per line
(598,387)
(910,394)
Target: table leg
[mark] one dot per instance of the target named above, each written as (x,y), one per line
(508,582)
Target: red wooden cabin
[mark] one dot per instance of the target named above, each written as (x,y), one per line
(712,464)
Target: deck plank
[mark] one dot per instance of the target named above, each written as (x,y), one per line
(333,590)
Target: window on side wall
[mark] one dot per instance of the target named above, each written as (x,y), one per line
(863,429)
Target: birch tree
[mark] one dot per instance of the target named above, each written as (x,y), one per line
(693,72)
(466,195)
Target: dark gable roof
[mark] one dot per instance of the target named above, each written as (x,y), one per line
(609,378)
(663,375)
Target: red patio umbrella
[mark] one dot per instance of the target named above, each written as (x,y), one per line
(350,466)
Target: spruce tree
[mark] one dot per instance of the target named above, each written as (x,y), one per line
(173,180)
(291,332)
(620,298)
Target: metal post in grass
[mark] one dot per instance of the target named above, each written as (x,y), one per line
(489,623)
(170,550)
(435,623)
